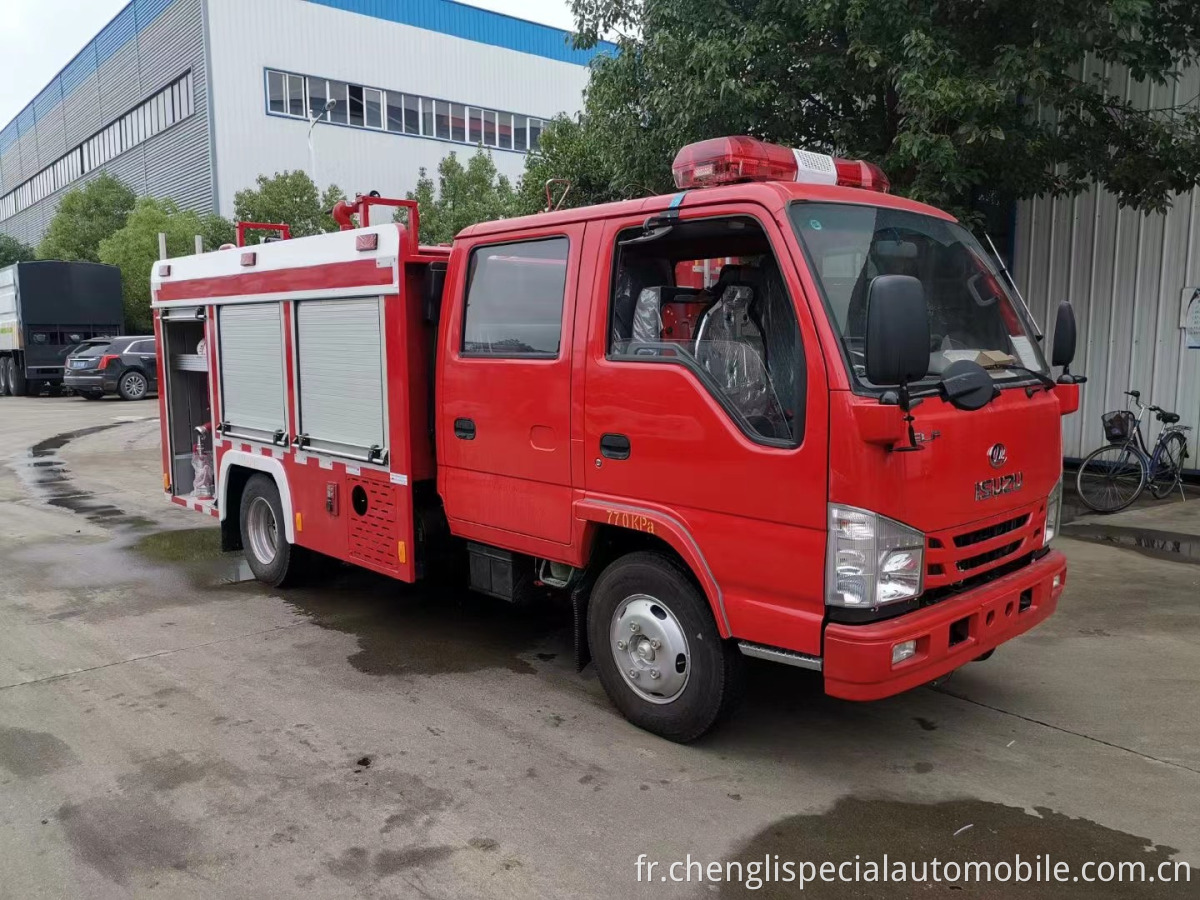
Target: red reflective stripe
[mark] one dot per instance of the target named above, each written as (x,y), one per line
(360,272)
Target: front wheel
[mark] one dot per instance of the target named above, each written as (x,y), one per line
(1169,468)
(658,653)
(4,377)
(272,559)
(1111,478)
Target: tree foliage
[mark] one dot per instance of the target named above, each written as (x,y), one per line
(290,198)
(86,216)
(13,251)
(963,102)
(134,249)
(462,196)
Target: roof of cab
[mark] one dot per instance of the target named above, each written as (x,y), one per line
(773,195)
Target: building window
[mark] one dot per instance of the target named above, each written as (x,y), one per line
(360,106)
(515,299)
(318,96)
(427,125)
(412,114)
(458,122)
(338,93)
(276,102)
(374,101)
(443,119)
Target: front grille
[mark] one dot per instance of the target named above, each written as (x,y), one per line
(937,595)
(974,562)
(992,531)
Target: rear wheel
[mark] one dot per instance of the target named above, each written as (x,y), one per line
(1170,465)
(1111,478)
(4,377)
(16,379)
(133,386)
(271,558)
(658,653)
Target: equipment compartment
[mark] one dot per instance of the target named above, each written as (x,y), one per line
(186,392)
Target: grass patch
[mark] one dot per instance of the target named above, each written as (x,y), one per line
(188,545)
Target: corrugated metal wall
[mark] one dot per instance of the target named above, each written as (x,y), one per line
(145,47)
(1124,272)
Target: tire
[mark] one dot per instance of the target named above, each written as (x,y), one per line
(271,558)
(1170,463)
(4,377)
(1111,478)
(133,385)
(647,597)
(16,379)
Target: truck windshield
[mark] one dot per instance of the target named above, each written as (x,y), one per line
(972,314)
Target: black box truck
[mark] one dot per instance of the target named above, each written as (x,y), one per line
(46,308)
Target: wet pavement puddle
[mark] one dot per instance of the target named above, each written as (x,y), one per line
(1165,545)
(45,472)
(859,830)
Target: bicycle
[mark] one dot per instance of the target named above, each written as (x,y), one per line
(1113,476)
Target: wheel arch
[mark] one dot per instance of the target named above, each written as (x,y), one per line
(607,539)
(237,467)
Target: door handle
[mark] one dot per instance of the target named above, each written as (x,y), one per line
(464,429)
(614,446)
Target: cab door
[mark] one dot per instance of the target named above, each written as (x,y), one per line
(722,439)
(504,389)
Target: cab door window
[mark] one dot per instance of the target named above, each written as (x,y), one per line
(709,295)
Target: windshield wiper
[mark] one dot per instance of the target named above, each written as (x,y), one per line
(1046,380)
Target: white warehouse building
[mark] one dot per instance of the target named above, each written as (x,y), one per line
(193,99)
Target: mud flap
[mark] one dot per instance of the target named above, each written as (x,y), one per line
(580,594)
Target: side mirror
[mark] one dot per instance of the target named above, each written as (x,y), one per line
(897,347)
(1063,352)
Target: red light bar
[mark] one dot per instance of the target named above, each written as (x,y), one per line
(730,160)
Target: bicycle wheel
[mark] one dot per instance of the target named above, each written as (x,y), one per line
(1170,464)
(1111,478)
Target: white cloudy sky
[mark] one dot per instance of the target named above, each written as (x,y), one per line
(39,37)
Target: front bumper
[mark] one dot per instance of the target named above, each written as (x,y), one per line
(858,658)
(89,382)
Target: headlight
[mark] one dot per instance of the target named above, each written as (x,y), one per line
(1053,511)
(871,561)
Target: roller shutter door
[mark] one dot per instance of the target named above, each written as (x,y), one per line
(340,355)
(253,401)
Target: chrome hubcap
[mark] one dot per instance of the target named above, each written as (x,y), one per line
(650,648)
(135,385)
(262,531)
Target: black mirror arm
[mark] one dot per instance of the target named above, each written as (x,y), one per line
(907,403)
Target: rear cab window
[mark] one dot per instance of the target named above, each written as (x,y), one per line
(514,300)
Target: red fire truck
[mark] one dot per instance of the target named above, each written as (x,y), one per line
(842,454)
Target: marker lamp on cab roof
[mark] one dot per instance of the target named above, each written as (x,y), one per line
(872,561)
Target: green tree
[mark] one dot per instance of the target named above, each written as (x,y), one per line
(290,198)
(134,248)
(85,217)
(965,103)
(13,251)
(462,196)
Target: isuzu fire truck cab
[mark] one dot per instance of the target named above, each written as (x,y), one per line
(841,451)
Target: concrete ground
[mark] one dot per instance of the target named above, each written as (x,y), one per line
(169,729)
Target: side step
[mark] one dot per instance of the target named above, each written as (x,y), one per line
(776,654)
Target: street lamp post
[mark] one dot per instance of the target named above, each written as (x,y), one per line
(313,119)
